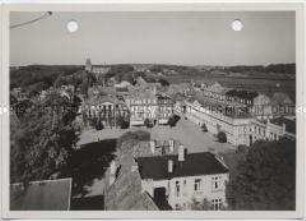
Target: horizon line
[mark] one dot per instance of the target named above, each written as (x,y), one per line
(169,64)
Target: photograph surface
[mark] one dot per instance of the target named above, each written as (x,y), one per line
(149,111)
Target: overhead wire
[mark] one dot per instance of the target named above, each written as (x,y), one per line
(44,16)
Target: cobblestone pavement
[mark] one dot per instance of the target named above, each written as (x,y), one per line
(185,131)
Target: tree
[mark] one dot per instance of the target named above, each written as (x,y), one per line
(99,124)
(147,123)
(21,107)
(163,82)
(242,149)
(204,128)
(173,120)
(122,122)
(44,140)
(128,140)
(221,136)
(266,177)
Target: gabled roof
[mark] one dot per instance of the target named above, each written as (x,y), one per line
(290,124)
(195,164)
(281,98)
(41,195)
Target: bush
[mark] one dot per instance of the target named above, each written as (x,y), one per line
(134,136)
(242,148)
(122,122)
(163,82)
(173,120)
(222,137)
(148,123)
(204,128)
(99,125)
(125,125)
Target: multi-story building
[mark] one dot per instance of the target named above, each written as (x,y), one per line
(142,106)
(165,108)
(240,129)
(285,126)
(147,105)
(105,109)
(184,179)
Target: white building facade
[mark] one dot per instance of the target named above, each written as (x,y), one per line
(184,181)
(239,130)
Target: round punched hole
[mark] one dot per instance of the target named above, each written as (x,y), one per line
(237,25)
(72,26)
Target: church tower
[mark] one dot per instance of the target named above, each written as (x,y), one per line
(88,65)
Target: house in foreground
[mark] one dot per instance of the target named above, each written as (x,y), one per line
(184,179)
(53,195)
(162,175)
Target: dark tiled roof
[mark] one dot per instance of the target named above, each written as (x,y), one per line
(41,195)
(125,193)
(122,89)
(290,124)
(88,203)
(195,164)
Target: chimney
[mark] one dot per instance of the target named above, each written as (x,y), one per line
(112,174)
(170,166)
(113,167)
(181,153)
(171,145)
(284,128)
(152,146)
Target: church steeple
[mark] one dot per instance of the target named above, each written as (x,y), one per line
(88,65)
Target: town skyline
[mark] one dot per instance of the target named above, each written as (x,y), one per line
(191,38)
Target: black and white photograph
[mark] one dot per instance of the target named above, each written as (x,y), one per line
(152,111)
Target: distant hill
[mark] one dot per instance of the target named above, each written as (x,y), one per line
(45,75)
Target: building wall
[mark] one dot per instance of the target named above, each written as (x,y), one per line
(187,194)
(274,132)
(262,108)
(239,131)
(148,108)
(106,110)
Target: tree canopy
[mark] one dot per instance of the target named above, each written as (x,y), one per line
(265,177)
(44,139)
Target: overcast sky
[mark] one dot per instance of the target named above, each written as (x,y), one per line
(188,38)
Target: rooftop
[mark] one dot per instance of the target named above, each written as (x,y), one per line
(195,164)
(290,124)
(41,195)
(88,203)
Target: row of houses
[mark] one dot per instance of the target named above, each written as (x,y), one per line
(138,105)
(240,130)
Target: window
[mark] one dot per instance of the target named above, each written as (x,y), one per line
(197,184)
(217,204)
(177,188)
(216,183)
